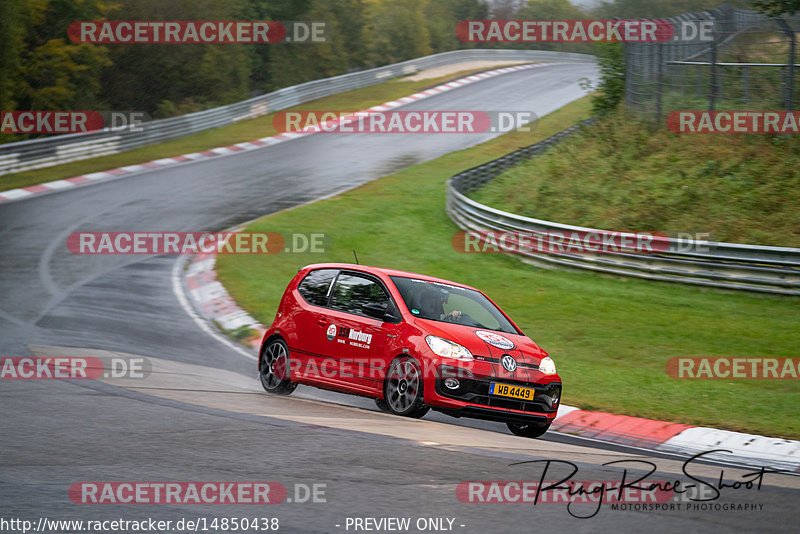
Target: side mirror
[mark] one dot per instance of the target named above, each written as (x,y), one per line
(387,313)
(376,311)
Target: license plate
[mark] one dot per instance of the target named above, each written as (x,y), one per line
(515,392)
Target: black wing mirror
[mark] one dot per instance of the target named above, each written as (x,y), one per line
(387,313)
(377,311)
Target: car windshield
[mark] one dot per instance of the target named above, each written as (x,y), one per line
(451,304)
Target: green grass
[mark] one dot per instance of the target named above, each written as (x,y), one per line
(624,176)
(246,130)
(610,337)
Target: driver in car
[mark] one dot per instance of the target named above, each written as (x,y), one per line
(433,306)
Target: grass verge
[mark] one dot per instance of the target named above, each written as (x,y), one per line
(610,337)
(247,130)
(624,176)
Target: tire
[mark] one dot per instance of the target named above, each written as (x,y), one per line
(402,388)
(382,405)
(527,430)
(273,368)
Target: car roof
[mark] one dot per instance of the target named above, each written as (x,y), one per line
(384,271)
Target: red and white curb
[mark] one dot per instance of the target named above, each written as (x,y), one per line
(213,300)
(685,440)
(217,305)
(68,183)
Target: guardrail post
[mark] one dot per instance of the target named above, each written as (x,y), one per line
(626,51)
(746,83)
(788,98)
(660,80)
(712,97)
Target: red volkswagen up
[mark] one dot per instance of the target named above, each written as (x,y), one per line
(412,343)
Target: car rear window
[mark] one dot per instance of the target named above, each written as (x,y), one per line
(314,287)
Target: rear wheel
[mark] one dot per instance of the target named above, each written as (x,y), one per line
(527,430)
(402,388)
(274,368)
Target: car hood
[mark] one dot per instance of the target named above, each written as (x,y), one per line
(485,342)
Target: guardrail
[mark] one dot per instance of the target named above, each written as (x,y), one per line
(706,263)
(44,152)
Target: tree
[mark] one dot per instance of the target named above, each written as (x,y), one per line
(776,8)
(396,31)
(178,77)
(16,18)
(51,73)
(611,63)
(293,63)
(442,16)
(555,10)
(632,9)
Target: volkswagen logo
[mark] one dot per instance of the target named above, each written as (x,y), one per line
(509,363)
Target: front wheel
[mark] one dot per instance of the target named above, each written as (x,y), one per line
(274,368)
(402,388)
(527,430)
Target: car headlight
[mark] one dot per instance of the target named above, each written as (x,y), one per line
(447,349)
(547,366)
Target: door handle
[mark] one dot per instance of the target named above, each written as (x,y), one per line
(321,322)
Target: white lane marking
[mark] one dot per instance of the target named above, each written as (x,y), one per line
(177,288)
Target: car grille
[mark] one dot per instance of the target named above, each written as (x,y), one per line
(476,391)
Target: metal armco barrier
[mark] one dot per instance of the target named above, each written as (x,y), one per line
(48,151)
(723,265)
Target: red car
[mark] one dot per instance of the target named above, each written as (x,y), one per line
(412,343)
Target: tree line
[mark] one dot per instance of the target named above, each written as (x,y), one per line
(43,70)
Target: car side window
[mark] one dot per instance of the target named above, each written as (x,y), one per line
(352,291)
(314,287)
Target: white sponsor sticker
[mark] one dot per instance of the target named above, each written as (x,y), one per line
(495,340)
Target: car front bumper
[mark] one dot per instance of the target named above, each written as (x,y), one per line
(472,399)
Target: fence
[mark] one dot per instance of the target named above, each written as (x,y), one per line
(45,152)
(724,265)
(749,63)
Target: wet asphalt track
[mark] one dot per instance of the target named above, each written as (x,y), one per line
(56,433)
